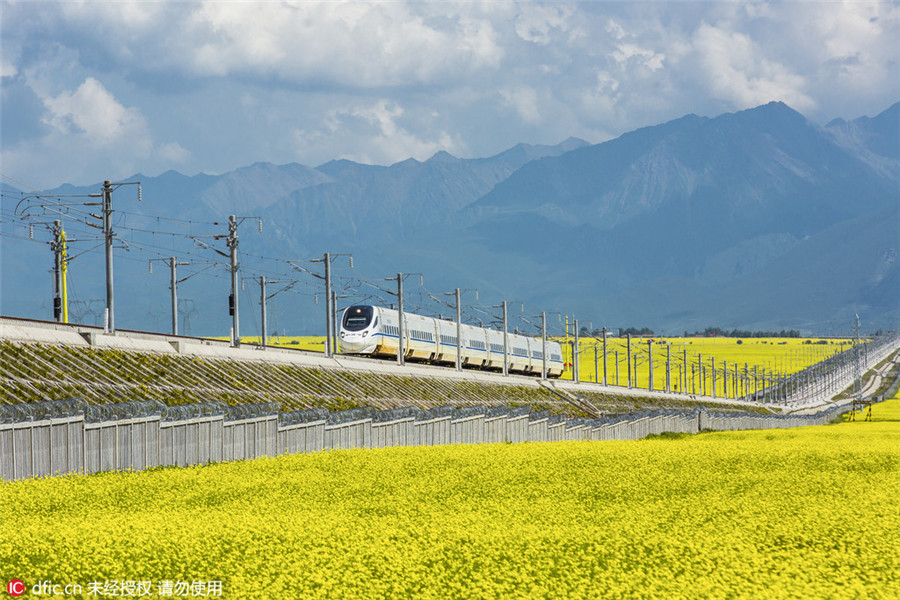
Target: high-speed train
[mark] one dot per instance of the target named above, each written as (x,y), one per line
(375,331)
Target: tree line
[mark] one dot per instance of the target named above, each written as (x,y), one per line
(708,332)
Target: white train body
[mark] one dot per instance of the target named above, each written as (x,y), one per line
(375,331)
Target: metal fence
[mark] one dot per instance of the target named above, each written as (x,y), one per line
(54,438)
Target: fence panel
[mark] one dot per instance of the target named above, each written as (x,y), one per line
(538,430)
(302,437)
(469,430)
(69,444)
(517,429)
(495,430)
(433,432)
(18,443)
(7,453)
(40,448)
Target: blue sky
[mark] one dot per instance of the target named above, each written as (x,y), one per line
(102,90)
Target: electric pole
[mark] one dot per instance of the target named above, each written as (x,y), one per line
(401,359)
(232,243)
(457,293)
(628,370)
(617,367)
(458,332)
(543,345)
(700,373)
(263,316)
(575,354)
(336,346)
(57,246)
(401,350)
(174,286)
(857,366)
(109,321)
(328,327)
(604,356)
(505,342)
(669,366)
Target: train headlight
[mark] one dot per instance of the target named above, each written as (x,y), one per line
(365,333)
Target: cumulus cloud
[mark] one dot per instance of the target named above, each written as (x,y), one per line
(524,100)
(615,30)
(378,134)
(174,153)
(210,86)
(88,132)
(629,55)
(360,44)
(91,110)
(7,68)
(858,44)
(735,69)
(537,23)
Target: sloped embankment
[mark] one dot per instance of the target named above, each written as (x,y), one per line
(31,372)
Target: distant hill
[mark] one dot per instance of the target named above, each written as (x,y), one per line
(677,210)
(755,219)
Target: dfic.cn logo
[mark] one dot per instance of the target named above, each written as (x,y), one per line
(15,587)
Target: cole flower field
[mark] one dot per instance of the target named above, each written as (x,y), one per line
(801,513)
(782,355)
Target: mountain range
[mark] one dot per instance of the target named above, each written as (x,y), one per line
(758,219)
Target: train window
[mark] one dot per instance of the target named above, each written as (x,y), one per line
(357,318)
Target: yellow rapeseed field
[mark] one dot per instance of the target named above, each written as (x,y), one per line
(801,513)
(315,343)
(776,355)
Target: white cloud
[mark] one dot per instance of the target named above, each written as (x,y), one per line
(628,54)
(355,43)
(524,100)
(858,46)
(615,30)
(8,67)
(91,110)
(536,22)
(90,135)
(735,69)
(377,133)
(210,86)
(173,152)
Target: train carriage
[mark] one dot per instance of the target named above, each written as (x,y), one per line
(419,337)
(519,354)
(474,346)
(375,331)
(447,341)
(495,349)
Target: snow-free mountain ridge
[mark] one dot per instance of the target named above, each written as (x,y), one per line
(754,219)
